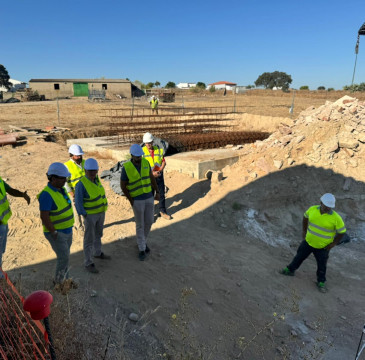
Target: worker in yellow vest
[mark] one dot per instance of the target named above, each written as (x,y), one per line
(5,214)
(155,157)
(57,217)
(323,228)
(91,203)
(76,168)
(154,104)
(140,188)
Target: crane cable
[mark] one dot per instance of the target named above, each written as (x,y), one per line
(356,52)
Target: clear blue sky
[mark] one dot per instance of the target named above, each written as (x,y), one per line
(184,41)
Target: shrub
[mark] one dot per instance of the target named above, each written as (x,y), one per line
(212,89)
(304,87)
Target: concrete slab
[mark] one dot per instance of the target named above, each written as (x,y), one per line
(194,163)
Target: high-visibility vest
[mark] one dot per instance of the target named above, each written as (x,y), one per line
(157,157)
(97,202)
(322,228)
(5,211)
(76,173)
(139,183)
(154,103)
(63,216)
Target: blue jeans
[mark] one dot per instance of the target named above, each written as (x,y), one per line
(61,246)
(3,238)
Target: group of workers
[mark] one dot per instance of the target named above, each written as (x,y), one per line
(77,182)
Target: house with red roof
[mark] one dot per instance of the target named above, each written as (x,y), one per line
(222,85)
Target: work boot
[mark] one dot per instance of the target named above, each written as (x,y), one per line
(321,286)
(142,255)
(165,216)
(286,271)
(103,256)
(91,268)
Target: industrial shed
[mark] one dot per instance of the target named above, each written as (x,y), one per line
(61,88)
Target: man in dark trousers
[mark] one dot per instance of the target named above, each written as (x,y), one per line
(323,229)
(155,157)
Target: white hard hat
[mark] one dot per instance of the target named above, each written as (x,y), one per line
(91,164)
(328,200)
(136,150)
(58,169)
(147,137)
(75,150)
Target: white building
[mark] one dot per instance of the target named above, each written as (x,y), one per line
(16,85)
(221,85)
(186,85)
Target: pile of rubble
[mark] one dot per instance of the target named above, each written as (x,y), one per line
(331,136)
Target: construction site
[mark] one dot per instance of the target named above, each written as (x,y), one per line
(241,171)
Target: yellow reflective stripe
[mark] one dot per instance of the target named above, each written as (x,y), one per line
(322,228)
(342,229)
(91,200)
(63,220)
(319,235)
(55,213)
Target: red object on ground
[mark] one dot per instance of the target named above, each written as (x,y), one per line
(7,139)
(38,304)
(49,128)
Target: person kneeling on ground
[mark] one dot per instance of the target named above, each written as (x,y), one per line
(57,217)
(323,229)
(91,203)
(138,185)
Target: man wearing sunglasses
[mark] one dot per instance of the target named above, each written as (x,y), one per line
(139,186)
(5,214)
(57,217)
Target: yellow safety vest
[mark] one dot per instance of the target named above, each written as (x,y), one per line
(97,202)
(5,211)
(157,157)
(322,228)
(76,173)
(139,183)
(154,103)
(63,216)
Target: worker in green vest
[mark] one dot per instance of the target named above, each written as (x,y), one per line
(76,168)
(57,217)
(154,155)
(91,203)
(154,104)
(140,188)
(323,228)
(5,214)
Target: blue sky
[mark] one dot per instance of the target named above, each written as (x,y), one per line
(184,41)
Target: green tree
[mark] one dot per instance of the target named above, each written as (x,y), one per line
(4,78)
(321,88)
(200,85)
(170,85)
(157,83)
(330,89)
(150,85)
(304,87)
(275,79)
(212,89)
(250,86)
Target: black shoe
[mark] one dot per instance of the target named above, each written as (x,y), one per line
(91,268)
(103,256)
(142,255)
(147,251)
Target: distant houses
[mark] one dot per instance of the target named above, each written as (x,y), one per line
(222,85)
(186,85)
(16,85)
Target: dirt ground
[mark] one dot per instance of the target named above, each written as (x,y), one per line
(210,288)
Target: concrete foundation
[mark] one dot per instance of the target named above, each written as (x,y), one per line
(194,163)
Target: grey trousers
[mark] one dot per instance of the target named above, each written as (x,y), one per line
(61,246)
(143,215)
(94,225)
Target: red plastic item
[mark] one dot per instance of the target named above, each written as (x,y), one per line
(38,304)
